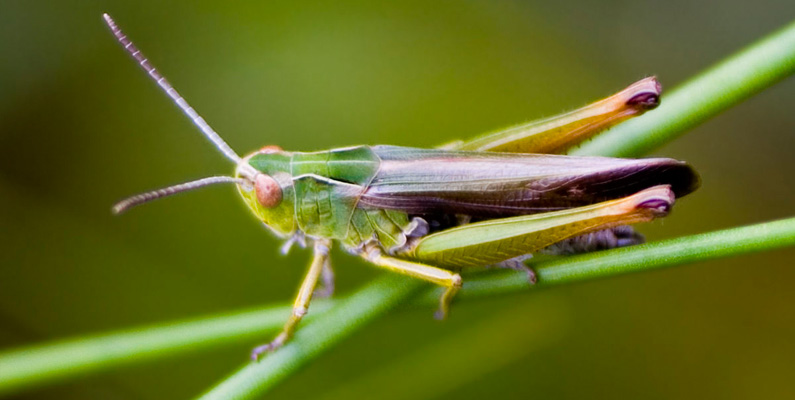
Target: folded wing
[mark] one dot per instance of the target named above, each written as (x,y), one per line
(490,185)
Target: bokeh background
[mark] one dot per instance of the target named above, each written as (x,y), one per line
(81,127)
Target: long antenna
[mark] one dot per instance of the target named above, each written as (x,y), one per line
(133,201)
(163,83)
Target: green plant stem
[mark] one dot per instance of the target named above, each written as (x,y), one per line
(253,380)
(375,299)
(427,364)
(58,361)
(737,78)
(644,257)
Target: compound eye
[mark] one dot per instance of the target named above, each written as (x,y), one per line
(269,193)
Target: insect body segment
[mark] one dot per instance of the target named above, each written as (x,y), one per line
(427,213)
(322,192)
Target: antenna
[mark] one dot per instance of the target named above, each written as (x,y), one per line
(163,83)
(133,201)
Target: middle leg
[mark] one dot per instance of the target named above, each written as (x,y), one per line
(450,280)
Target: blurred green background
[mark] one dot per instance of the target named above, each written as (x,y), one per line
(81,127)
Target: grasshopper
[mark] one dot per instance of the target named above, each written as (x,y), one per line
(427,213)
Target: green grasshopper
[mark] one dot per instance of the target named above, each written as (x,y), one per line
(426,213)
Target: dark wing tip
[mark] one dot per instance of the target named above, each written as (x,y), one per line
(650,172)
(682,178)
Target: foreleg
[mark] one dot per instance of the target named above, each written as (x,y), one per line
(301,305)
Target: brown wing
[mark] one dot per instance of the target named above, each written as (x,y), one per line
(488,185)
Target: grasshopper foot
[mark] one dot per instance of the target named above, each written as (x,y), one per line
(267,348)
(531,275)
(447,297)
(518,264)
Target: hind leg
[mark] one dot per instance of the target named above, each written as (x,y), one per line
(559,133)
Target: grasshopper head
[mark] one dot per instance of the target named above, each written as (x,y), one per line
(263,180)
(266,187)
